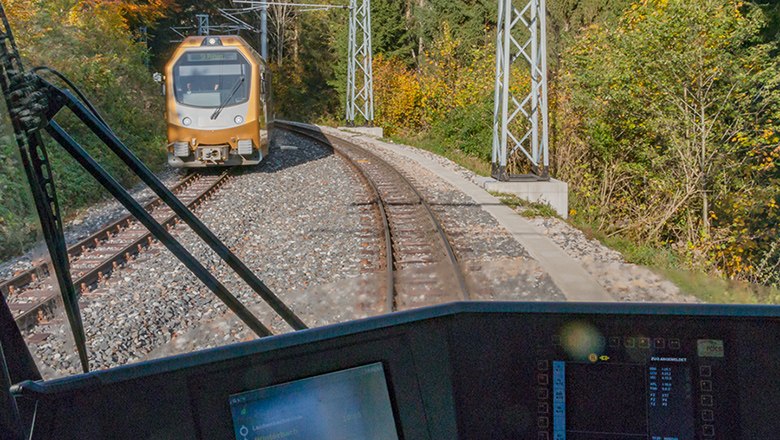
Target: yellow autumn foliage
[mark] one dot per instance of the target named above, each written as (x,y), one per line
(410,100)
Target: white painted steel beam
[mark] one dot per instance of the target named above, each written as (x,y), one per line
(360,72)
(520,127)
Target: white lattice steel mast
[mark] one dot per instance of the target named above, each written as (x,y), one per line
(360,72)
(520,124)
(203,24)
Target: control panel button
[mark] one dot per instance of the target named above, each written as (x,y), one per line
(708,430)
(707,415)
(706,400)
(659,343)
(542,365)
(705,371)
(674,344)
(706,385)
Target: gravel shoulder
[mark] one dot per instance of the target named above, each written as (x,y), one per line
(622,280)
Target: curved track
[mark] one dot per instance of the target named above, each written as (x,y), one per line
(422,268)
(32,294)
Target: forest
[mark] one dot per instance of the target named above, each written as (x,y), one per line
(665,114)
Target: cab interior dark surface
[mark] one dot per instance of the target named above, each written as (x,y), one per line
(463,370)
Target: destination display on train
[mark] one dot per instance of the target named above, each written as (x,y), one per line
(351,404)
(222,55)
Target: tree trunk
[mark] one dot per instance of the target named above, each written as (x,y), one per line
(705,204)
(420,42)
(296,41)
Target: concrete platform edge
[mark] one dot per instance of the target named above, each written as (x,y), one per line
(554,193)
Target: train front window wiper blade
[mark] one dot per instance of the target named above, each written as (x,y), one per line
(222,105)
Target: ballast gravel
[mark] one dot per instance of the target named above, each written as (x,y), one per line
(496,266)
(87,221)
(296,221)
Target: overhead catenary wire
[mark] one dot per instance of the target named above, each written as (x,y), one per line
(257,4)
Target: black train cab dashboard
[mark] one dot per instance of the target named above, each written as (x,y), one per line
(532,371)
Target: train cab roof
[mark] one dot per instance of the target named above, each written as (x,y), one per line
(213,41)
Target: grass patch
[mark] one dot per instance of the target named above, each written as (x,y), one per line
(708,287)
(715,289)
(469,162)
(525,208)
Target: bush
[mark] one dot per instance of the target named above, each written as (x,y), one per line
(91,43)
(468,129)
(670,120)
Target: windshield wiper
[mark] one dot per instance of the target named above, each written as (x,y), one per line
(222,104)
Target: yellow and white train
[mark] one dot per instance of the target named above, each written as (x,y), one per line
(218,103)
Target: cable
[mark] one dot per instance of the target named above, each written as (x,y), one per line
(78,92)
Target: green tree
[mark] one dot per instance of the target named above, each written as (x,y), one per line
(568,17)
(390,30)
(675,105)
(471,21)
(91,42)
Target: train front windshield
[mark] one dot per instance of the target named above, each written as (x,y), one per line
(207,78)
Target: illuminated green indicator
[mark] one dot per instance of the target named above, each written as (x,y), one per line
(712,348)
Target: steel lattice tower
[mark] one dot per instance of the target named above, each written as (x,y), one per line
(520,127)
(360,93)
(203,24)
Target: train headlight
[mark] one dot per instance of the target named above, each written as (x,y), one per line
(238,120)
(186,121)
(211,41)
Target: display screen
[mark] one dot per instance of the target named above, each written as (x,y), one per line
(623,401)
(350,404)
(631,387)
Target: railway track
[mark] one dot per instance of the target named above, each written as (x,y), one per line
(422,268)
(33,294)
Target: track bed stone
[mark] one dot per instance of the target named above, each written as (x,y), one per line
(294,220)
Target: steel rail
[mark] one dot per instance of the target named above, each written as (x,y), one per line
(42,269)
(66,99)
(85,279)
(377,199)
(333,143)
(160,232)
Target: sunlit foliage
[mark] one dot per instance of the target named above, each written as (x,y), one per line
(670,122)
(92,43)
